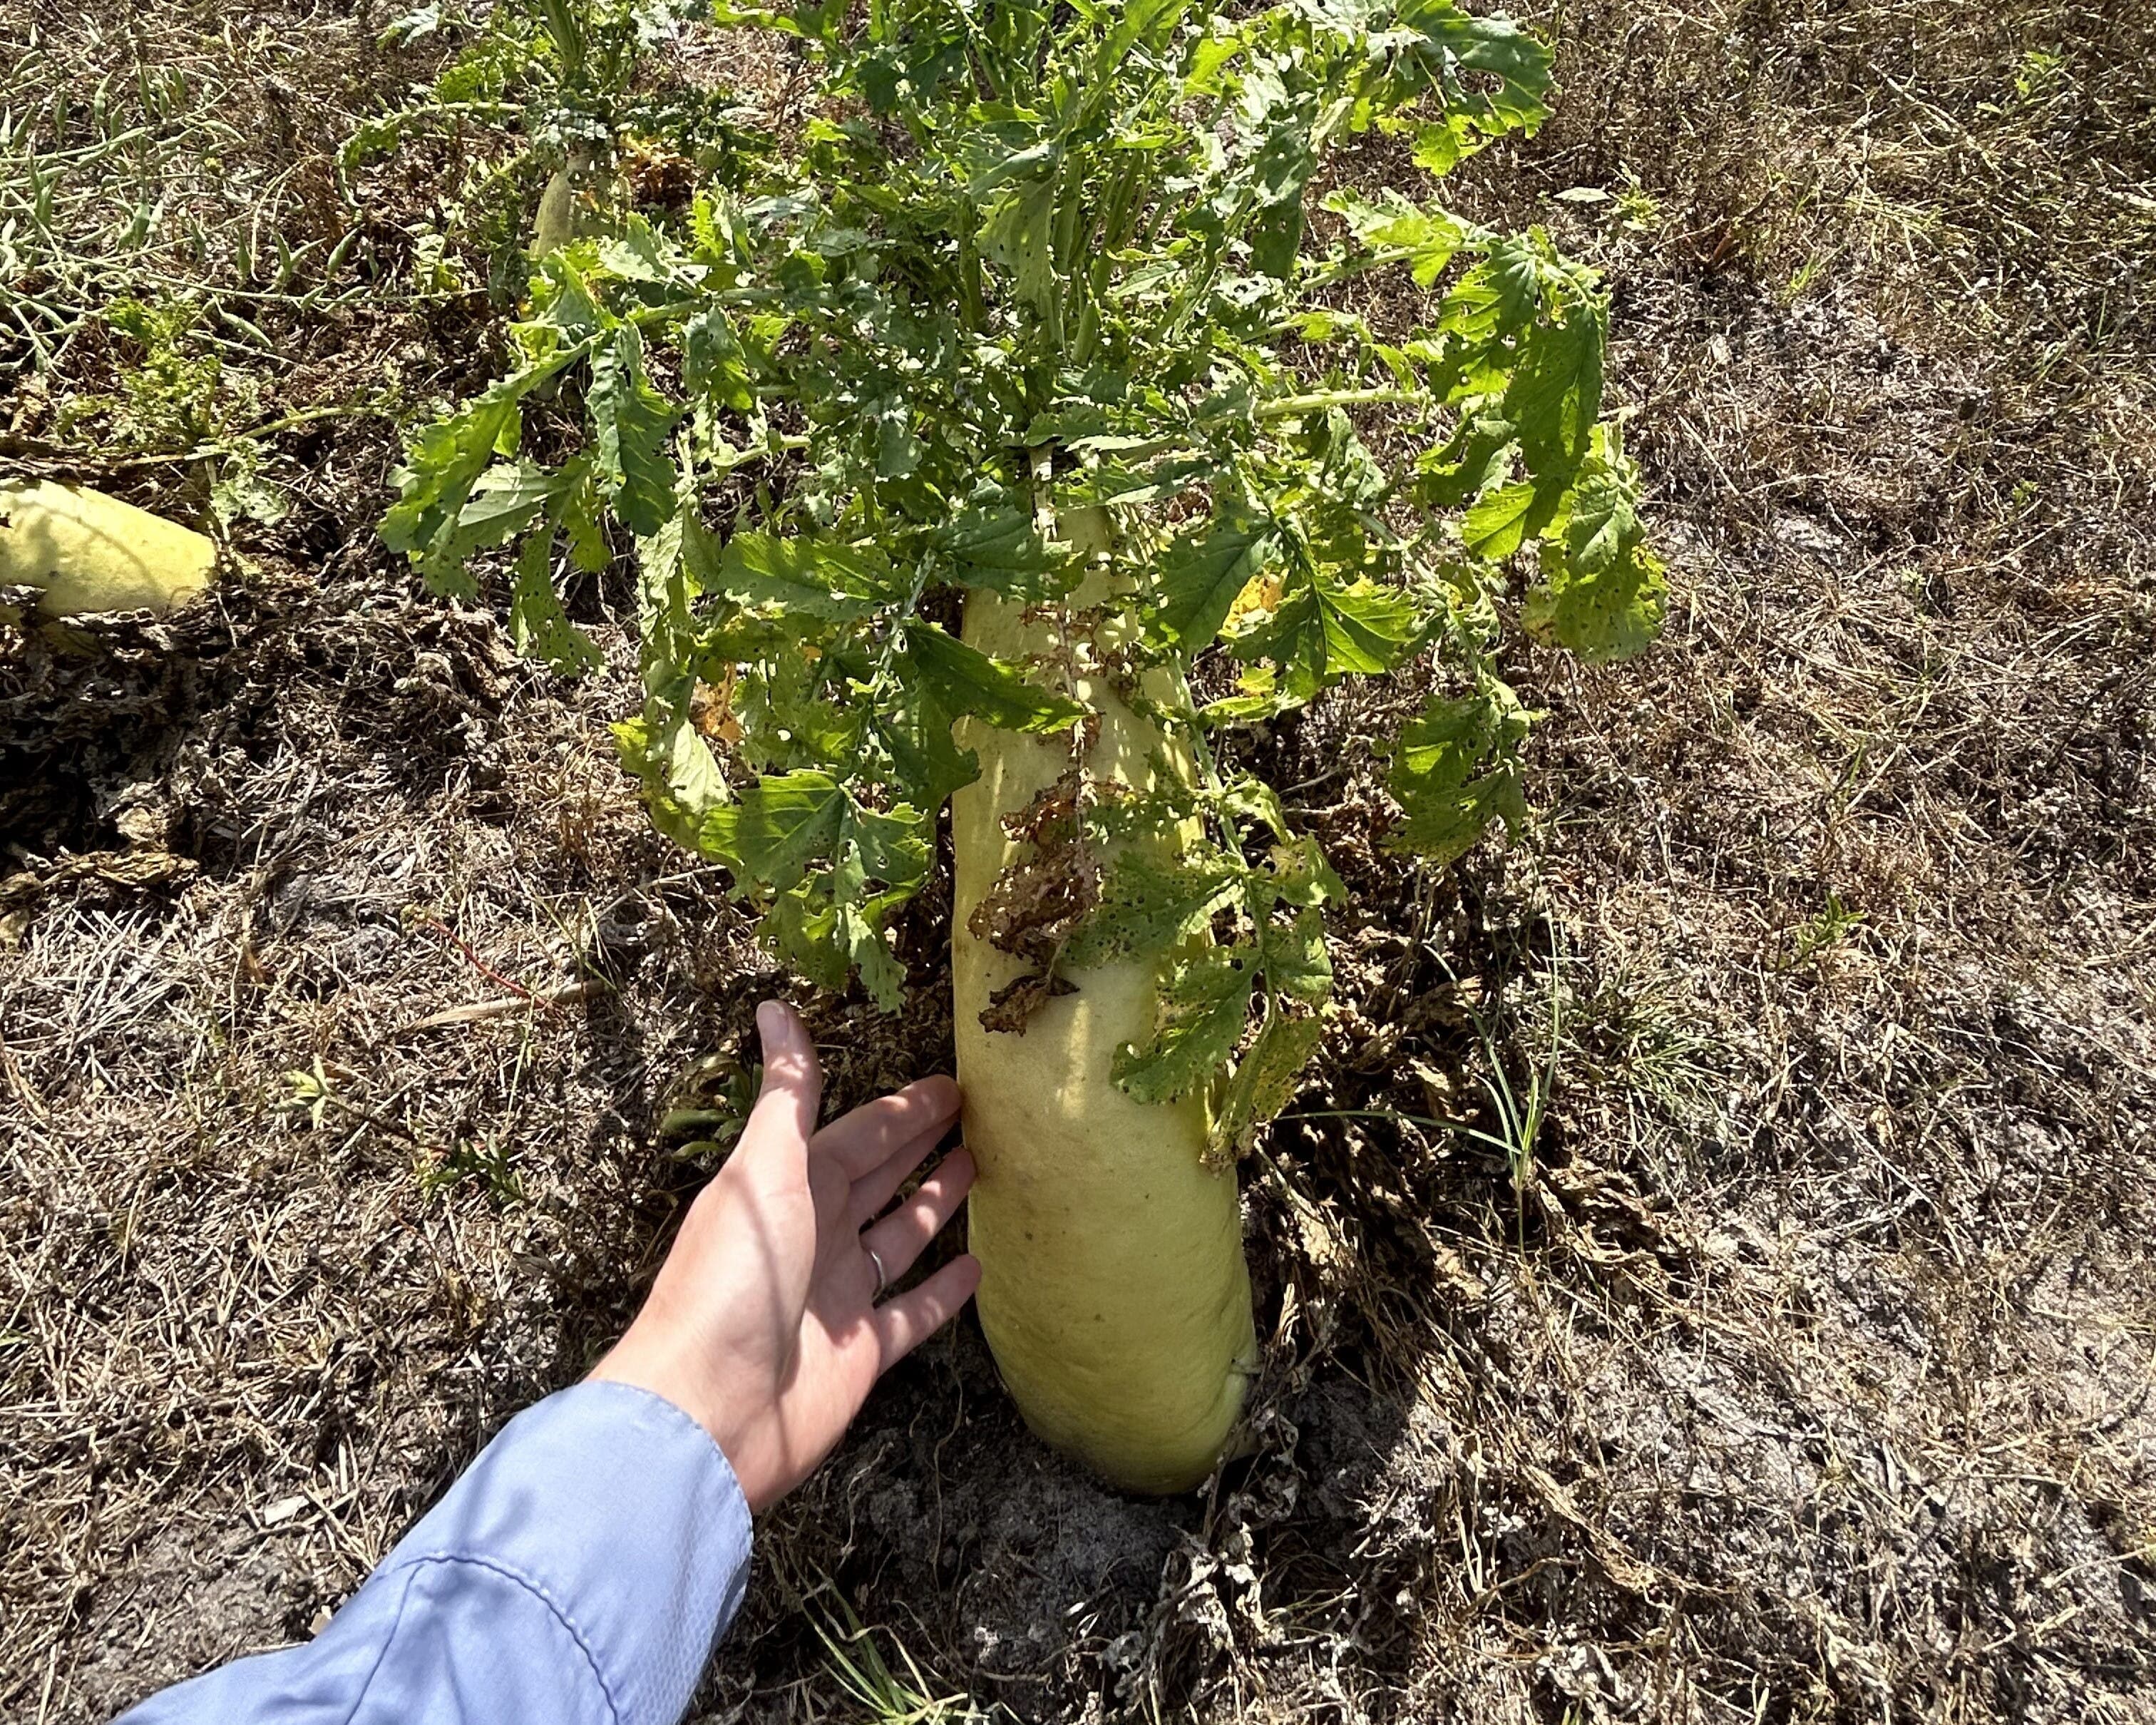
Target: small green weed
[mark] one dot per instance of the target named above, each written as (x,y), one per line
(484,1163)
(2039,74)
(1631,1033)
(1822,933)
(709,1106)
(170,391)
(852,1657)
(1522,1108)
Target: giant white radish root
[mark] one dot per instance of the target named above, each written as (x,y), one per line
(1113,1289)
(86,552)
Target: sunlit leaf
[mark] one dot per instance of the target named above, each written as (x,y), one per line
(1204,1002)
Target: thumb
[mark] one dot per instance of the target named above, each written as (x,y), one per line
(784,1117)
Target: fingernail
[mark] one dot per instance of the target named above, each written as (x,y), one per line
(770,1022)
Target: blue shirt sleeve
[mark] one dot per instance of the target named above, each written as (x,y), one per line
(578,1575)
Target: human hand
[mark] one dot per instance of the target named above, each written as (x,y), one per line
(764,1324)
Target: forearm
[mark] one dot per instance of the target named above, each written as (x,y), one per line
(578,1575)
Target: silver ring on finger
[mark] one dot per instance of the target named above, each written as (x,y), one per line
(883,1282)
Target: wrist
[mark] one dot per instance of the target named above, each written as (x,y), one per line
(640,1362)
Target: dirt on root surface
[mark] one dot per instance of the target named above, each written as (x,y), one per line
(1798,1365)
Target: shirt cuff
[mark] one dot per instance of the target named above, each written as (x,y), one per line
(617,1509)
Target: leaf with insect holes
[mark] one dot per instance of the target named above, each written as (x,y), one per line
(1022,259)
(631,419)
(1298,873)
(970,683)
(860,937)
(1205,1001)
(1295,958)
(1324,630)
(781,825)
(995,546)
(579,508)
(1016,233)
(894,845)
(1248,799)
(1468,468)
(1280,169)
(1263,1084)
(1487,69)
(537,625)
(914,730)
(1455,769)
(1148,906)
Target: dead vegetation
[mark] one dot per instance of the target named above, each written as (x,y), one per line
(1779,1342)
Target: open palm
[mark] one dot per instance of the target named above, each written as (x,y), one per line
(764,1321)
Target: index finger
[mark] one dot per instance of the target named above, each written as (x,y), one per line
(785,1112)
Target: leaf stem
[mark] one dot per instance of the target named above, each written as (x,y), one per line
(1292,407)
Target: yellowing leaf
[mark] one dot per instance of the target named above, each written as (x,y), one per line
(1263,1084)
(1205,1003)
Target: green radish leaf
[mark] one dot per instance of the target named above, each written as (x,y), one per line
(994,545)
(1204,1003)
(1017,232)
(632,420)
(1295,958)
(1602,592)
(1455,769)
(1426,239)
(1497,525)
(682,782)
(1199,576)
(1263,1084)
(1324,630)
(507,499)
(712,362)
(442,466)
(803,927)
(537,625)
(1442,146)
(804,575)
(1368,628)
(781,825)
(1148,907)
(968,682)
(1556,394)
(1297,874)
(914,731)
(1025,262)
